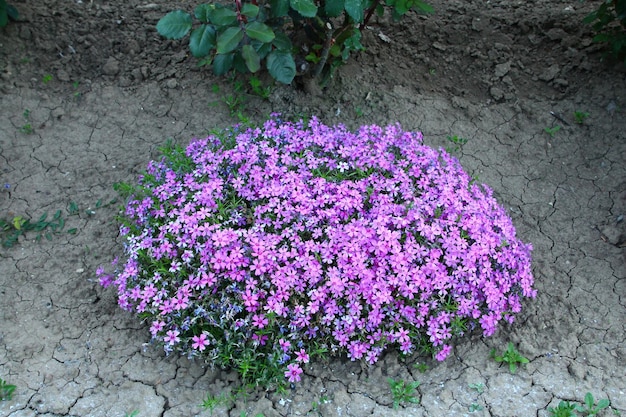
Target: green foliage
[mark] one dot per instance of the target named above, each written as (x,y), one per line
(479,387)
(27,127)
(552,130)
(475,407)
(213,401)
(591,408)
(7,12)
(580,117)
(13,227)
(564,409)
(6,390)
(457,143)
(421,367)
(403,392)
(133,413)
(246,36)
(609,21)
(510,356)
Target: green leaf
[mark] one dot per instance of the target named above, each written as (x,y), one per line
(279,8)
(334,8)
(202,41)
(602,404)
(281,66)
(282,42)
(203,12)
(253,61)
(306,8)
(422,7)
(222,63)
(250,10)
(174,25)
(228,40)
(260,31)
(12,12)
(354,8)
(221,16)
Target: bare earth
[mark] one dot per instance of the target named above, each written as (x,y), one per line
(104,91)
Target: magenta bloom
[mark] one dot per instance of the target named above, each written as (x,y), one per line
(200,342)
(293,372)
(290,239)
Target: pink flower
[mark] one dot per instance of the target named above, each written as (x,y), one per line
(171,337)
(293,372)
(302,356)
(200,342)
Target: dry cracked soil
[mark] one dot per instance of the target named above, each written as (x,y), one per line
(89,91)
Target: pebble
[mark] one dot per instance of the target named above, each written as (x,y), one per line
(111,67)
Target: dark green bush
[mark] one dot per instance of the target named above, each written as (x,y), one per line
(288,37)
(609,21)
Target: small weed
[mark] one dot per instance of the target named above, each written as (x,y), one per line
(213,401)
(316,404)
(75,85)
(358,111)
(457,143)
(421,367)
(564,409)
(6,390)
(552,130)
(46,78)
(475,407)
(510,356)
(12,229)
(580,117)
(27,127)
(479,388)
(259,89)
(403,392)
(133,413)
(591,408)
(432,71)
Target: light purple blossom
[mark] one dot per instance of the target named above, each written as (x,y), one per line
(297,236)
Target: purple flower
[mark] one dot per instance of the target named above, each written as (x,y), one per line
(293,372)
(294,237)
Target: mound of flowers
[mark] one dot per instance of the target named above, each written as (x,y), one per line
(260,249)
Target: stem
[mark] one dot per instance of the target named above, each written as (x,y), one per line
(325,52)
(369,14)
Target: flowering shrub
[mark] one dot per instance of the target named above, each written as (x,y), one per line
(259,250)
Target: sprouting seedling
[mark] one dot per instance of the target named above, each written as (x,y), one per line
(259,89)
(564,409)
(591,408)
(552,130)
(213,401)
(479,387)
(475,407)
(457,143)
(510,356)
(133,413)
(403,392)
(6,390)
(46,78)
(421,367)
(27,127)
(580,116)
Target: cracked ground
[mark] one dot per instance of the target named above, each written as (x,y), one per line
(503,76)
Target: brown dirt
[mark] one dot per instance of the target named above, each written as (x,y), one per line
(491,72)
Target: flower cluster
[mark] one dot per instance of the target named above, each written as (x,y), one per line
(263,248)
